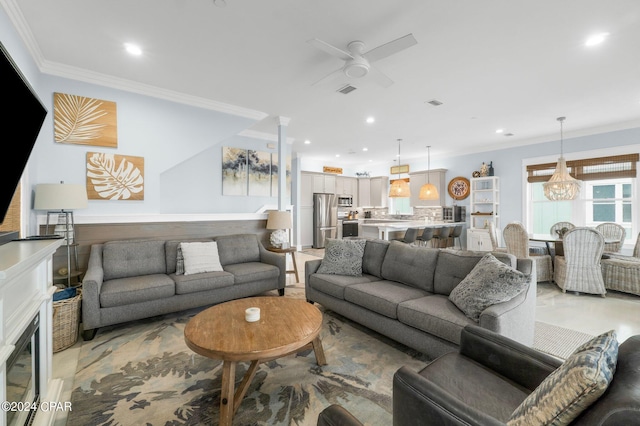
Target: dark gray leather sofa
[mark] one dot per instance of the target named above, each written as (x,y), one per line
(133,279)
(488,378)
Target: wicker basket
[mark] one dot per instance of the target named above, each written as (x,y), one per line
(66,318)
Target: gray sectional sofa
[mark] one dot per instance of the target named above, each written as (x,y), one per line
(403,293)
(133,279)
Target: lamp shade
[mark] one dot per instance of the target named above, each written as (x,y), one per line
(279,220)
(399,189)
(60,196)
(428,191)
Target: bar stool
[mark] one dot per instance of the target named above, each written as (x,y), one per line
(410,236)
(457,231)
(442,238)
(425,237)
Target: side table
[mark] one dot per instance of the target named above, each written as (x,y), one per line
(285,251)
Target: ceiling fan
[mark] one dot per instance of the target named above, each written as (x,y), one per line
(357,62)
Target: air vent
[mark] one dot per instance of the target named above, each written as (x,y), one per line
(347,89)
(434,102)
(508,134)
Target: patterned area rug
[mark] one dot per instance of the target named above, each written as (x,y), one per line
(143,373)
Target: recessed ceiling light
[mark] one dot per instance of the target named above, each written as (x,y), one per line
(499,130)
(337,155)
(596,39)
(371,120)
(365,149)
(133,49)
(307,142)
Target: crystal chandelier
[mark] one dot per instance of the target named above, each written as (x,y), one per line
(428,191)
(562,186)
(399,188)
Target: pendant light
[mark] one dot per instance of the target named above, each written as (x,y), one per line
(561,186)
(428,191)
(399,188)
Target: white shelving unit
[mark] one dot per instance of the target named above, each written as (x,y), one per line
(484,208)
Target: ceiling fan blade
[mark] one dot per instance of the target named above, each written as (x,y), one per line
(330,49)
(390,48)
(328,77)
(379,77)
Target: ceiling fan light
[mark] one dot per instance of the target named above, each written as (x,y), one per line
(357,67)
(428,191)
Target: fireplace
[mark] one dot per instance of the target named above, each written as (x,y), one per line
(26,315)
(23,376)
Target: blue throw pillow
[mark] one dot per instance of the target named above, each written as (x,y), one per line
(67,293)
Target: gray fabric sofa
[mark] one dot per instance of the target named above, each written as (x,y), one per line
(133,279)
(403,294)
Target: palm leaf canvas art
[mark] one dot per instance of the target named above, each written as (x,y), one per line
(84,121)
(114,177)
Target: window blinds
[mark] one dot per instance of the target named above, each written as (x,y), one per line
(613,167)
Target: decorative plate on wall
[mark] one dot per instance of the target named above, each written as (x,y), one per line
(459,188)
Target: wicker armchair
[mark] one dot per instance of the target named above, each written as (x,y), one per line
(579,269)
(614,231)
(558,226)
(517,241)
(622,273)
(494,238)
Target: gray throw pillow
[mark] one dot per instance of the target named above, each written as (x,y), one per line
(575,385)
(489,282)
(342,257)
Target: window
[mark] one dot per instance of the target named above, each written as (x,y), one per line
(608,193)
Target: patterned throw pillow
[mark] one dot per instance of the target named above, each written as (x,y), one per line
(575,385)
(488,283)
(179,262)
(200,257)
(342,257)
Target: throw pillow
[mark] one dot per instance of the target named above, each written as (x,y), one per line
(488,283)
(200,257)
(342,257)
(179,261)
(575,385)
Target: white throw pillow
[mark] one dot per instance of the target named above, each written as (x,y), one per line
(200,257)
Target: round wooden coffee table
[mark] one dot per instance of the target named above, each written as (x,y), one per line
(221,332)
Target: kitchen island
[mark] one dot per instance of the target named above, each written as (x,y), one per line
(386,230)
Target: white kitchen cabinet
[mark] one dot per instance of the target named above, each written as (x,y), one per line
(324,183)
(479,240)
(438,178)
(378,191)
(346,185)
(306,189)
(364,192)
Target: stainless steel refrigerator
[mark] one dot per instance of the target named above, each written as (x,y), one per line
(324,218)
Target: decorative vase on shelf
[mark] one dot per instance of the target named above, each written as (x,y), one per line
(491,168)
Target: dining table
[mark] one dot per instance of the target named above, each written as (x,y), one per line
(554,241)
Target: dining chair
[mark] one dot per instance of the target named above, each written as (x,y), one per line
(516,239)
(410,236)
(612,230)
(558,226)
(493,236)
(425,237)
(579,269)
(621,272)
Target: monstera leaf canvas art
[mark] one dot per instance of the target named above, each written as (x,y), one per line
(84,121)
(114,177)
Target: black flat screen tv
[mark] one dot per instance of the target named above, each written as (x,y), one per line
(22,118)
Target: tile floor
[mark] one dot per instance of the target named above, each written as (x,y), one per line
(586,313)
